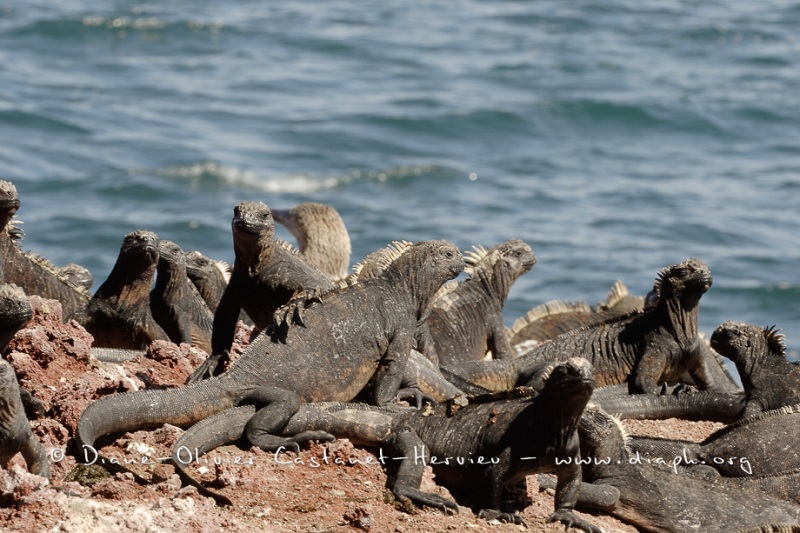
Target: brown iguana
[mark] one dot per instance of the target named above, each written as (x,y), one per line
(345,340)
(118,315)
(15,431)
(321,236)
(467,321)
(656,499)
(551,319)
(266,275)
(176,304)
(33,273)
(640,349)
(478,446)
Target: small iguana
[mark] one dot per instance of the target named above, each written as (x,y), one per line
(478,446)
(15,431)
(265,276)
(467,321)
(33,273)
(761,444)
(345,340)
(770,381)
(119,315)
(640,349)
(176,304)
(656,499)
(321,236)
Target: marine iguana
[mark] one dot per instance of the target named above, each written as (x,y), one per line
(551,319)
(321,236)
(770,381)
(118,315)
(761,444)
(343,344)
(210,277)
(656,499)
(33,273)
(265,276)
(640,349)
(467,322)
(15,432)
(78,275)
(176,304)
(478,446)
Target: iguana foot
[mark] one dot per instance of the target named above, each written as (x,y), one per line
(293,310)
(421,499)
(213,366)
(271,443)
(306,436)
(508,518)
(570,519)
(413,393)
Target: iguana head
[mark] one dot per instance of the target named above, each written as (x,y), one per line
(198,266)
(747,345)
(253,231)
(500,265)
(686,281)
(170,254)
(140,246)
(570,379)
(424,267)
(15,310)
(602,436)
(9,202)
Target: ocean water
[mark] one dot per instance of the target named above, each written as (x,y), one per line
(615,137)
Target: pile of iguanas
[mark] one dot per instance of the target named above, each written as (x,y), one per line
(331,353)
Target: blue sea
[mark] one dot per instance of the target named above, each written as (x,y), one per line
(616,137)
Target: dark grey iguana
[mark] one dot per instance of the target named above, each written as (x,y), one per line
(210,277)
(265,276)
(176,304)
(640,349)
(656,499)
(770,381)
(551,319)
(342,345)
(118,315)
(34,274)
(478,446)
(321,236)
(761,444)
(467,321)
(15,432)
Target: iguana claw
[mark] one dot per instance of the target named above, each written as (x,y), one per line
(508,518)
(293,310)
(213,366)
(570,519)
(413,393)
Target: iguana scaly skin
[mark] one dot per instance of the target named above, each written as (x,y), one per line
(343,343)
(467,322)
(759,445)
(210,277)
(770,381)
(15,432)
(641,349)
(175,302)
(321,236)
(656,499)
(266,275)
(34,274)
(118,315)
(478,446)
(551,319)
(15,313)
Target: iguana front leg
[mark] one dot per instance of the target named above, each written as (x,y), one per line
(391,371)
(601,497)
(648,370)
(408,446)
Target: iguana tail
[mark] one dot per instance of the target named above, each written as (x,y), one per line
(132,411)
